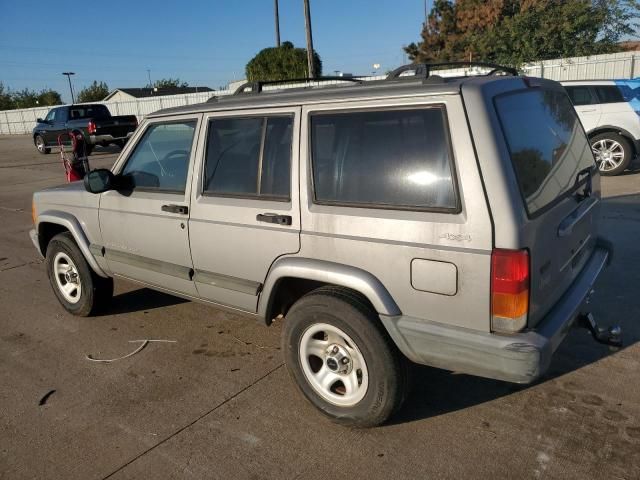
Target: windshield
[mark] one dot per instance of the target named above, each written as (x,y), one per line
(548,146)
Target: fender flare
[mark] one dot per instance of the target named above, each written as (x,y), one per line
(621,131)
(331,273)
(72,224)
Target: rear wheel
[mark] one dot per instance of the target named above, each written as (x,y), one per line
(41,145)
(77,287)
(341,358)
(612,152)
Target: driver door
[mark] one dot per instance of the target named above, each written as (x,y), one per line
(146,230)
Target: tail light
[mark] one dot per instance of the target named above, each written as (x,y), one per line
(509,289)
(91,128)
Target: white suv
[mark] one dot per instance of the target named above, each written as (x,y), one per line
(611,120)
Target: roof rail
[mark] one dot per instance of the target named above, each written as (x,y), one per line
(256,86)
(423,70)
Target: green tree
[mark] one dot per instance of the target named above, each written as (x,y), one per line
(49,97)
(94,92)
(168,83)
(6,100)
(281,63)
(25,98)
(517,31)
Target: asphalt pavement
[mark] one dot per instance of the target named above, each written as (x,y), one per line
(218,403)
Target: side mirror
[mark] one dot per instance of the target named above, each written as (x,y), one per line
(99,180)
(39,120)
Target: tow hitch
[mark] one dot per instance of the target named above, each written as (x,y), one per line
(611,336)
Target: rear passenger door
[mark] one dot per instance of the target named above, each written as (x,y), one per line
(586,104)
(245,209)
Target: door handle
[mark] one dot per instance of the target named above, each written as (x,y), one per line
(175,209)
(274,218)
(590,110)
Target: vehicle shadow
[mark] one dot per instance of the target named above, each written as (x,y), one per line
(140,300)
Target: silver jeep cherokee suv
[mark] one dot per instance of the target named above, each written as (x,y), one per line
(451,222)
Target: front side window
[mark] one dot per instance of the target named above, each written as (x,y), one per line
(383,159)
(51,116)
(249,156)
(580,95)
(548,146)
(160,160)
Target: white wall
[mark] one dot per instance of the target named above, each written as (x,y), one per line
(609,66)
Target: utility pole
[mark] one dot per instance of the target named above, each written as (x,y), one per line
(68,74)
(149,77)
(307,17)
(275,5)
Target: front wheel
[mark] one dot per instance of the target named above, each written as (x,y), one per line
(612,153)
(341,358)
(77,287)
(41,145)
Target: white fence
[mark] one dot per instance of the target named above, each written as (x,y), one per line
(610,66)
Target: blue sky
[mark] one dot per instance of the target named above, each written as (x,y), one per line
(202,42)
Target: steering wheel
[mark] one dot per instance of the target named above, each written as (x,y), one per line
(174,153)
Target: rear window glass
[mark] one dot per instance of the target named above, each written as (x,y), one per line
(547,144)
(88,111)
(385,159)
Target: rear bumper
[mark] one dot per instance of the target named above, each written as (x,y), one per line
(519,358)
(95,139)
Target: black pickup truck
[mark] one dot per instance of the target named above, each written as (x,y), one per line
(93,121)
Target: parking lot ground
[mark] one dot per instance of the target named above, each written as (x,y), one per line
(218,402)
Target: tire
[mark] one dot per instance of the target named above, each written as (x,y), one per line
(612,152)
(339,324)
(40,144)
(87,293)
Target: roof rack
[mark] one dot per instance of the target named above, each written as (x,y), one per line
(256,86)
(423,70)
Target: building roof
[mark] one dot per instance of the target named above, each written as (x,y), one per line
(157,92)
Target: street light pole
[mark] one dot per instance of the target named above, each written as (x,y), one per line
(277,15)
(68,74)
(307,17)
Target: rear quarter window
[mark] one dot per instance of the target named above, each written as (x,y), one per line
(546,142)
(398,159)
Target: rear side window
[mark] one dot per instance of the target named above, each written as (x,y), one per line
(580,95)
(249,157)
(547,144)
(609,94)
(383,159)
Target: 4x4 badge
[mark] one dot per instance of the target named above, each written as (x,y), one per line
(456,238)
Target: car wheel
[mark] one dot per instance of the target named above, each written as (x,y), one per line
(41,145)
(342,360)
(77,287)
(612,153)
